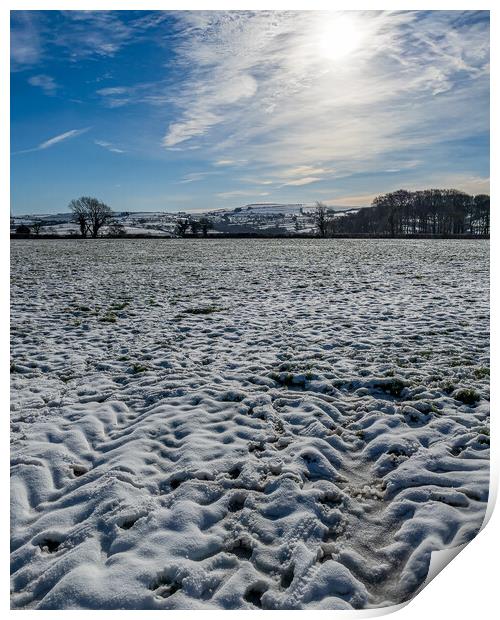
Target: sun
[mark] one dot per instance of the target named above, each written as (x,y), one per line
(339,37)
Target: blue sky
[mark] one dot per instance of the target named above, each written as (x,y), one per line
(152,110)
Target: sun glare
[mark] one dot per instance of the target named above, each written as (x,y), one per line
(340,37)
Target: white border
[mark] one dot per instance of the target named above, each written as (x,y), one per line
(467,586)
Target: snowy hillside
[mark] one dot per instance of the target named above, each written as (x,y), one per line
(270,218)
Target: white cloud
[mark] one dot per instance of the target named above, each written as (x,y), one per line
(303,181)
(278,93)
(96,33)
(117,96)
(45,82)
(238,193)
(256,181)
(61,137)
(259,83)
(194,123)
(195,176)
(115,90)
(72,133)
(225,89)
(25,44)
(224,162)
(305,170)
(108,146)
(81,34)
(357,200)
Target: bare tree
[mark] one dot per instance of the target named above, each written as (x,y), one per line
(480,212)
(80,215)
(181,228)
(205,225)
(321,219)
(36,226)
(90,214)
(195,226)
(330,223)
(99,215)
(115,229)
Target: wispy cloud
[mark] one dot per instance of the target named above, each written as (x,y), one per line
(35,35)
(108,146)
(472,184)
(260,83)
(72,133)
(116,96)
(303,181)
(202,114)
(195,176)
(194,123)
(289,103)
(115,90)
(45,82)
(241,193)
(356,200)
(461,181)
(25,43)
(229,162)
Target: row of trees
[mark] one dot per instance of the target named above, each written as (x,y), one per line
(433,212)
(437,212)
(91,215)
(193,226)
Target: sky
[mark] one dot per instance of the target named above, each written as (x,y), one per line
(186,111)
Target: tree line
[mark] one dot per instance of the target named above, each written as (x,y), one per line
(188,224)
(430,212)
(91,215)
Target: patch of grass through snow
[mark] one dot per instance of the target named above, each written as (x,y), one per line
(203,310)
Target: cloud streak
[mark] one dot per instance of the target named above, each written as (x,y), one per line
(67,135)
(303,181)
(240,193)
(108,146)
(193,177)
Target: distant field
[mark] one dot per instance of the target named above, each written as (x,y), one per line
(284,424)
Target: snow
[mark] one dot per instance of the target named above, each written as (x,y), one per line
(270,208)
(242,424)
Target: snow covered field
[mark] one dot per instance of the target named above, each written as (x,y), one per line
(241,424)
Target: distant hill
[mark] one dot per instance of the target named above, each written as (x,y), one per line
(272,208)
